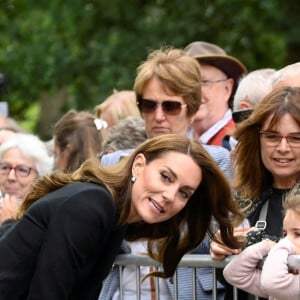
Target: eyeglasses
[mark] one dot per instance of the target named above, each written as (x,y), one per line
(20,170)
(169,107)
(209,83)
(274,139)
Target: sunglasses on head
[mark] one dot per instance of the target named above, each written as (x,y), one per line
(169,107)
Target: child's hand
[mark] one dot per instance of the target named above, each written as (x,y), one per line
(269,244)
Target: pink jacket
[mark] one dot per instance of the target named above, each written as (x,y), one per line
(273,281)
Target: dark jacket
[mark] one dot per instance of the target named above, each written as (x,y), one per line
(63,247)
(6,225)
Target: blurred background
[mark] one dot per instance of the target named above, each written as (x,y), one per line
(56,55)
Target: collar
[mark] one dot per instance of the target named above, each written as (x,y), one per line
(213,130)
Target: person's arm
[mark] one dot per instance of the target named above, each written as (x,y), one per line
(75,232)
(242,271)
(6,225)
(276,278)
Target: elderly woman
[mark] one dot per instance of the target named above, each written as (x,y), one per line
(23,159)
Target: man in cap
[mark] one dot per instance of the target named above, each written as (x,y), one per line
(220,75)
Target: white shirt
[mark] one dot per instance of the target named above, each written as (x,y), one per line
(129,279)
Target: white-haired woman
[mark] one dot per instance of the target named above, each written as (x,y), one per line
(23,159)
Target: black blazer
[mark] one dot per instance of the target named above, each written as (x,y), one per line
(63,247)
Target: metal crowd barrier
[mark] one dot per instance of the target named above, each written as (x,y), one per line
(192,261)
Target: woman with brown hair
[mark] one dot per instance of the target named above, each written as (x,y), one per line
(65,243)
(78,135)
(267,162)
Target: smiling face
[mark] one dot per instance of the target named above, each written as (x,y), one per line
(291,228)
(11,183)
(282,161)
(162,187)
(159,122)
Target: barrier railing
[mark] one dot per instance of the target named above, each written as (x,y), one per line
(192,261)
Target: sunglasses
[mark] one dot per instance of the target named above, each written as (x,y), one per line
(169,107)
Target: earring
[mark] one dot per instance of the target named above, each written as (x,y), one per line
(133,179)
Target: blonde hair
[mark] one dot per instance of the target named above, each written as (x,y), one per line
(117,106)
(292,200)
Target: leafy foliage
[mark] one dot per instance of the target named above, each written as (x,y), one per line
(87,48)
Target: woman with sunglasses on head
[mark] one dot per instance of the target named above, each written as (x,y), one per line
(23,159)
(267,163)
(71,225)
(168,89)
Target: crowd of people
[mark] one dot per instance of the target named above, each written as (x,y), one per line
(179,164)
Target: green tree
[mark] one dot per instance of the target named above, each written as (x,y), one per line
(59,55)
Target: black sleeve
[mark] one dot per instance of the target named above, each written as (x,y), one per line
(71,242)
(55,244)
(5,226)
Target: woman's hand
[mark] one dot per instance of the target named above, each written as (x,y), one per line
(219,251)
(8,208)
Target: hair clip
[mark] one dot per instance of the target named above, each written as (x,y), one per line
(100,124)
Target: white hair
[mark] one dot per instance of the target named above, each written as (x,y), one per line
(253,87)
(288,71)
(32,147)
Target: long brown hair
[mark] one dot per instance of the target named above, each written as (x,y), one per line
(212,200)
(77,133)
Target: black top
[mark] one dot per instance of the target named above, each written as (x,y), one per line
(6,225)
(63,247)
(274,217)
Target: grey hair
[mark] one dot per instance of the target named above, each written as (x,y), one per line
(32,147)
(253,87)
(127,134)
(286,72)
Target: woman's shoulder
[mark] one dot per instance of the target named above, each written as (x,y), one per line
(78,187)
(77,196)
(90,193)
(87,204)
